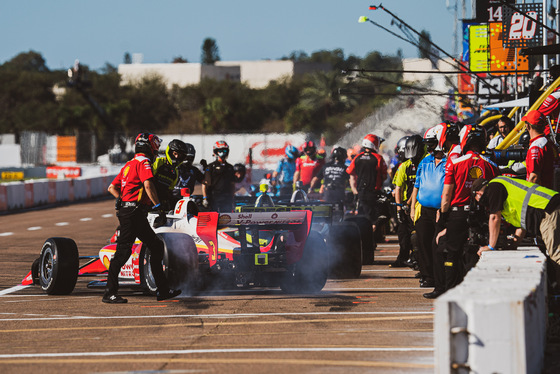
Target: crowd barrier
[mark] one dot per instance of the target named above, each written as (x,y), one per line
(34,193)
(495,320)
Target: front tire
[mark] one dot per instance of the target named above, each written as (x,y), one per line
(58,266)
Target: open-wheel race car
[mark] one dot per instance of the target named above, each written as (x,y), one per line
(243,249)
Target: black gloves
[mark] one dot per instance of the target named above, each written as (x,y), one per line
(401,216)
(161,219)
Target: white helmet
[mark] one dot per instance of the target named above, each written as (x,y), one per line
(432,138)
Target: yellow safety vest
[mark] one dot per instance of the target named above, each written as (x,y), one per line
(521,196)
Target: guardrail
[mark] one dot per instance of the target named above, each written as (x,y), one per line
(29,194)
(495,320)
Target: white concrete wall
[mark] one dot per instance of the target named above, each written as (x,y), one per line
(495,321)
(268,149)
(10,155)
(29,194)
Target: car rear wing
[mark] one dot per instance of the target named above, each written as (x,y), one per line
(321,213)
(208,223)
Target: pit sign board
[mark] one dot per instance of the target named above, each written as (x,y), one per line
(520,31)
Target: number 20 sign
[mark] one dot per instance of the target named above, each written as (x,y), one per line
(520,31)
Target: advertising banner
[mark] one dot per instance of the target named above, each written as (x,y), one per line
(478,40)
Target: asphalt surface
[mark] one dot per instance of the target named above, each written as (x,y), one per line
(377,323)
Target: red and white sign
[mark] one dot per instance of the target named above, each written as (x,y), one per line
(57,172)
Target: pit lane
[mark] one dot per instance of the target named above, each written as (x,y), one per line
(379,322)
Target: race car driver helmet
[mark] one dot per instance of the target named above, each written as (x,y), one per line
(450,135)
(371,142)
(179,147)
(190,153)
(399,148)
(338,154)
(432,138)
(414,147)
(291,152)
(147,144)
(472,136)
(221,149)
(310,149)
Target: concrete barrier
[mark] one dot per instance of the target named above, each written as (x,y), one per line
(35,193)
(495,320)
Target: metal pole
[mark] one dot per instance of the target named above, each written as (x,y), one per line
(545,42)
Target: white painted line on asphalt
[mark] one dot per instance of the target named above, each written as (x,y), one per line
(85,219)
(221,316)
(34,228)
(6,233)
(375,270)
(384,257)
(377,289)
(107,215)
(12,289)
(61,224)
(214,351)
(381,245)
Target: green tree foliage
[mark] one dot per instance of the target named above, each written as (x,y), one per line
(210,53)
(321,102)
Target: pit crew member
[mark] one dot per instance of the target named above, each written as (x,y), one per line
(334,177)
(166,173)
(284,173)
(188,174)
(134,190)
(308,165)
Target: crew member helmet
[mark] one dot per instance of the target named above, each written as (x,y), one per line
(190,153)
(472,135)
(525,139)
(309,148)
(291,152)
(414,147)
(178,146)
(372,142)
(432,138)
(399,148)
(221,149)
(450,134)
(338,154)
(147,144)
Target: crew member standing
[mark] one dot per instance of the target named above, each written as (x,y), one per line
(335,178)
(308,165)
(166,173)
(368,171)
(427,192)
(542,157)
(452,224)
(188,174)
(404,184)
(218,188)
(284,173)
(134,190)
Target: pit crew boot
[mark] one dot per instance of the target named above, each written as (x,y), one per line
(169,294)
(113,299)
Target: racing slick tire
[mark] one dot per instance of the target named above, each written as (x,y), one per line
(310,273)
(58,266)
(367,237)
(35,271)
(180,264)
(345,250)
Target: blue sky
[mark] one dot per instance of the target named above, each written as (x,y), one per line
(101,31)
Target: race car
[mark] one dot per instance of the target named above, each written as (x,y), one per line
(243,249)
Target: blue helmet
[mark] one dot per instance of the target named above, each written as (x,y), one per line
(291,152)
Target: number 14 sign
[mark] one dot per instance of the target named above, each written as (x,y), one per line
(521,31)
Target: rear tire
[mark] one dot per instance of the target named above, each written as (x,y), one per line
(366,234)
(310,273)
(58,266)
(345,250)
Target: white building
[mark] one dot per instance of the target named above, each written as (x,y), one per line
(256,74)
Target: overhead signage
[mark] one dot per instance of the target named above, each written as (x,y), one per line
(478,51)
(503,60)
(520,31)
